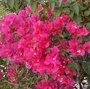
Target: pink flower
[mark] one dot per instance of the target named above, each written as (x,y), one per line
(83,31)
(75,48)
(22,43)
(20,31)
(1,74)
(39,67)
(75,29)
(11,74)
(59,22)
(50,13)
(68,81)
(47,84)
(52,61)
(87,46)
(52,58)
(28,9)
(40,7)
(64,1)
(22,14)
(72,27)
(9,19)
(35,17)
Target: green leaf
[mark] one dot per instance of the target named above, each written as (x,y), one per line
(33,6)
(73,66)
(77,19)
(59,3)
(67,10)
(82,7)
(71,15)
(65,5)
(76,9)
(42,2)
(1,60)
(28,1)
(11,3)
(16,5)
(88,26)
(70,1)
(86,67)
(87,13)
(52,5)
(57,12)
(52,1)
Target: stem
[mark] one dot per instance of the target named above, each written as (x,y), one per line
(80,86)
(74,3)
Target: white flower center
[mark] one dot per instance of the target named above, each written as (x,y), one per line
(18,47)
(35,53)
(61,79)
(78,51)
(75,27)
(53,58)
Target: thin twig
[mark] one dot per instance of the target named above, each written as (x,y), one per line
(74,3)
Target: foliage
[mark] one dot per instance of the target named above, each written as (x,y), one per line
(78,10)
(3,11)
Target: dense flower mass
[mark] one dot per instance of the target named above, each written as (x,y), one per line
(26,39)
(50,84)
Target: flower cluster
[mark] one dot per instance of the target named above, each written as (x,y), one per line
(44,84)
(76,46)
(76,30)
(51,84)
(26,39)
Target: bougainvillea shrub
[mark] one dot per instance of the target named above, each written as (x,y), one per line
(44,46)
